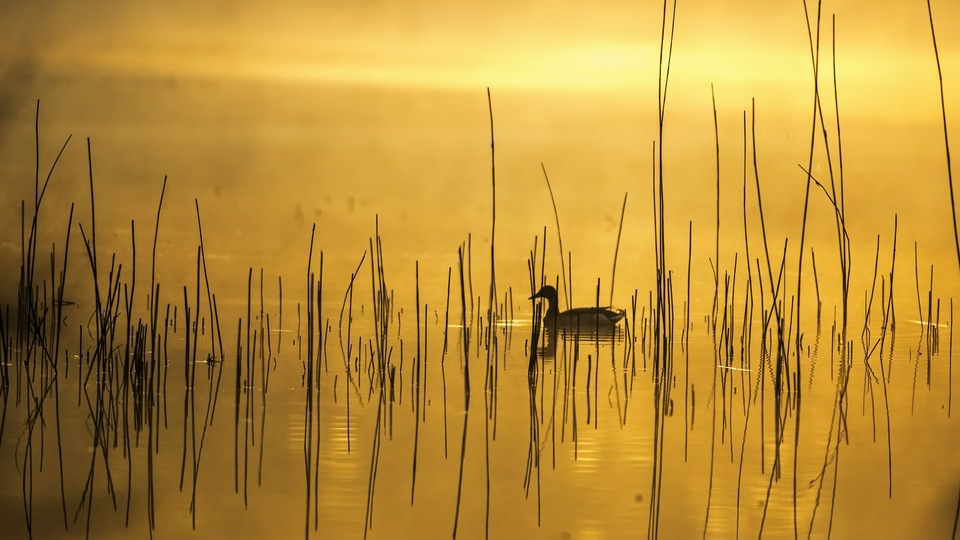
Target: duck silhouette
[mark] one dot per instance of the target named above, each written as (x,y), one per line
(581,318)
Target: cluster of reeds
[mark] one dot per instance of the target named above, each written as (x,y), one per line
(121,358)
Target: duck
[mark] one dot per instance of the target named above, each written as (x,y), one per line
(585,318)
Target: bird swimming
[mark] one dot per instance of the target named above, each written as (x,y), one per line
(575,318)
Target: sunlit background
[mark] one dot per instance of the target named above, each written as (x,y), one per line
(273,117)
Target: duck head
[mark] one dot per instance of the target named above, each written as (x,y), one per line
(547,292)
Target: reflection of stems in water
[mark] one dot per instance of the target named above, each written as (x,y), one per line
(887,314)
(222,360)
(573,392)
(311,450)
(589,386)
(186,378)
(263,423)
(263,339)
(319,321)
(186,385)
(424,377)
(192,391)
(265,356)
(713,438)
(463,457)
(374,467)
(446,319)
(248,385)
(533,448)
(58,322)
(236,412)
(956,517)
(466,334)
(743,449)
(308,413)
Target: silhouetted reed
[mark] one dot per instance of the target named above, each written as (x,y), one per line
(946,137)
(662,322)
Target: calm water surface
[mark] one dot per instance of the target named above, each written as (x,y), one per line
(579,451)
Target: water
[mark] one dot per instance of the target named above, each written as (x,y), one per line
(597,451)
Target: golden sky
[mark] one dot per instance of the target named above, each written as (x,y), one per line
(610,44)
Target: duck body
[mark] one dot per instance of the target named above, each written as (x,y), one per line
(584,318)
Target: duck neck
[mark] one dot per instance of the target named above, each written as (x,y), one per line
(552,310)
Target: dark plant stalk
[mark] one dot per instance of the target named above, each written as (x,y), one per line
(946,138)
(556,217)
(492,300)
(206,279)
(466,341)
(916,275)
(417,380)
(716,260)
(616,251)
(814,43)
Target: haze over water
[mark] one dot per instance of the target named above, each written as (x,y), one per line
(274,119)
